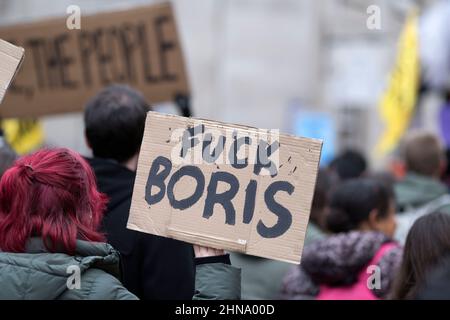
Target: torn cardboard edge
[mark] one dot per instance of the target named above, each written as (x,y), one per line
(11,58)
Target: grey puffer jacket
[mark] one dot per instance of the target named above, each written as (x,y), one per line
(337,261)
(40,275)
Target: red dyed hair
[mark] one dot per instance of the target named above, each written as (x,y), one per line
(50,194)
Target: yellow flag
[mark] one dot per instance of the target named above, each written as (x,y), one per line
(398,102)
(24,136)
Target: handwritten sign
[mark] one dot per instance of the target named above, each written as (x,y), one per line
(139,47)
(225,186)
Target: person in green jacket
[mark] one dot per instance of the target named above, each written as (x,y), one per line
(420,192)
(424,161)
(50,249)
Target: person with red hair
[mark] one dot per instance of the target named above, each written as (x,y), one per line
(50,211)
(51,194)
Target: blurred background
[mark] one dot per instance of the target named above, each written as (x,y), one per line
(312,68)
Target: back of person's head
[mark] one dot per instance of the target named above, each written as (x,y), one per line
(114,122)
(422,153)
(326,182)
(427,243)
(50,194)
(7,156)
(349,164)
(362,203)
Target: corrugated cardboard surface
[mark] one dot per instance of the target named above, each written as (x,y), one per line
(299,160)
(10,59)
(139,47)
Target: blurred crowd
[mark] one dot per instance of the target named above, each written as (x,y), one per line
(371,235)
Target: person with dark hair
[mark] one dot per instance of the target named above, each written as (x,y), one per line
(424,161)
(114,124)
(340,266)
(50,246)
(427,244)
(349,164)
(154,267)
(420,192)
(326,182)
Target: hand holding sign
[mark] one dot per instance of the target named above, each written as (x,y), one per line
(203,252)
(225,186)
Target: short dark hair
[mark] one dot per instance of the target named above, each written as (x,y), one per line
(114,122)
(422,153)
(353,200)
(349,164)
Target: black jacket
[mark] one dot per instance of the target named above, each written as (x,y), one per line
(153,267)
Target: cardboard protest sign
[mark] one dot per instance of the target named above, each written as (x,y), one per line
(225,186)
(139,47)
(11,58)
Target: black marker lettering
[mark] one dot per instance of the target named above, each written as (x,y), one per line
(193,172)
(188,141)
(232,156)
(156,178)
(86,48)
(223,198)
(64,62)
(208,156)
(284,216)
(164,47)
(262,158)
(35,46)
(128,48)
(250,198)
(145,54)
